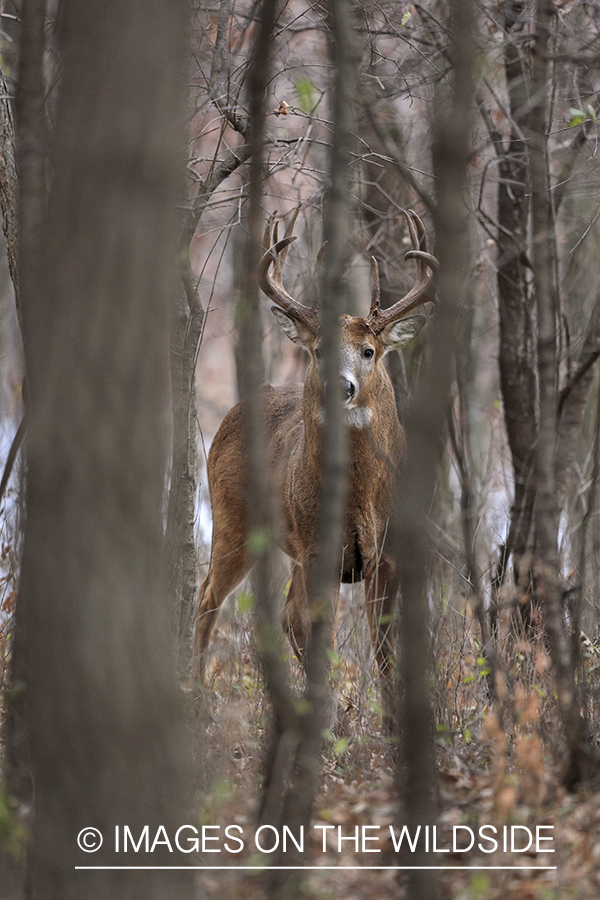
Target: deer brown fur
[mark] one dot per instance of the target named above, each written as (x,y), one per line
(294,418)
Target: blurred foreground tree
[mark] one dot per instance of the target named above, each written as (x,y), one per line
(105,742)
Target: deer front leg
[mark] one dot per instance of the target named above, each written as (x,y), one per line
(380,614)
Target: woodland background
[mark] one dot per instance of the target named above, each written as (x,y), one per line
(151,147)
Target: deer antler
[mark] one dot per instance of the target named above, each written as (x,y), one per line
(272,285)
(420,292)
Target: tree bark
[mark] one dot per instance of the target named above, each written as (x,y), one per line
(31,152)
(261,517)
(108,744)
(516,355)
(424,433)
(26,244)
(582,763)
(9,184)
(324,578)
(187,320)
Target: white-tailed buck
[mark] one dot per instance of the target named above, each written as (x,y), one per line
(294,416)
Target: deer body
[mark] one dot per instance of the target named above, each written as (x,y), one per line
(294,422)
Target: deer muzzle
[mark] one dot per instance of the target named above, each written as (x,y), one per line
(348,389)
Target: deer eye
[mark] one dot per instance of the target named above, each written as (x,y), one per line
(368,353)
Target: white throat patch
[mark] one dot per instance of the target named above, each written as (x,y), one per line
(359,416)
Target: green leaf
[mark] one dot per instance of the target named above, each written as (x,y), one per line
(302,706)
(577,117)
(340,746)
(591,112)
(305,94)
(405,18)
(480,885)
(13,835)
(245,602)
(259,541)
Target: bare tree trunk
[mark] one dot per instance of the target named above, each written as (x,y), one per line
(261,516)
(324,579)
(9,185)
(424,432)
(31,152)
(582,763)
(107,740)
(460,437)
(180,539)
(27,234)
(296,742)
(516,355)
(187,327)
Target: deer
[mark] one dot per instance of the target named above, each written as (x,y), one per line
(293,421)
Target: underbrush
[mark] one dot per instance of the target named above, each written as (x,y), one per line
(499,756)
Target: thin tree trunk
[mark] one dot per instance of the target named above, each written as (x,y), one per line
(324,579)
(261,517)
(461,443)
(29,230)
(180,537)
(581,762)
(31,151)
(424,433)
(516,355)
(9,185)
(187,327)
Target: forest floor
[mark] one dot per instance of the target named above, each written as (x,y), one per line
(505,777)
(497,779)
(358,794)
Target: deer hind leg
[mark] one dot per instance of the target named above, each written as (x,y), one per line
(296,616)
(227,568)
(380,614)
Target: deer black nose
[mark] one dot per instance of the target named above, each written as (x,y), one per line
(348,388)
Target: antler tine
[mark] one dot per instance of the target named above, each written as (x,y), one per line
(322,250)
(266,242)
(418,237)
(290,229)
(420,292)
(376,290)
(429,258)
(272,284)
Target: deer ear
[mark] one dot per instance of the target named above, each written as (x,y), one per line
(295,330)
(398,334)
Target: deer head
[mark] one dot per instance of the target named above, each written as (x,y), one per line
(364,341)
